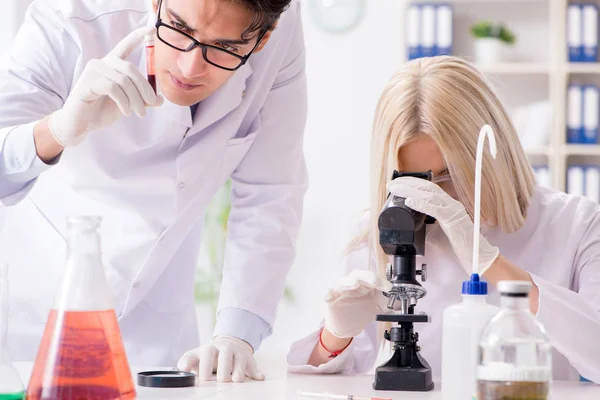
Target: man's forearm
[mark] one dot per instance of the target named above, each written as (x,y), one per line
(47,148)
(243,325)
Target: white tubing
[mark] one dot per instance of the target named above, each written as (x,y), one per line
(489,132)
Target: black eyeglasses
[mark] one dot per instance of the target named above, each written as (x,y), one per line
(213,55)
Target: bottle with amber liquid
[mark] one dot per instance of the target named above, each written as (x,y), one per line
(515,355)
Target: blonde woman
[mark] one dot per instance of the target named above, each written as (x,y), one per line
(429,118)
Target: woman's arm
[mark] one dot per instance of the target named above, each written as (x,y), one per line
(327,345)
(504,270)
(358,358)
(360,348)
(571,317)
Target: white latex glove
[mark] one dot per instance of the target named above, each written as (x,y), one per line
(354,303)
(231,358)
(428,198)
(106,90)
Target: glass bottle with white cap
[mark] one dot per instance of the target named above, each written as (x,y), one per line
(515,355)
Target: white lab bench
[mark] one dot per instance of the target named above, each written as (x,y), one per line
(279,385)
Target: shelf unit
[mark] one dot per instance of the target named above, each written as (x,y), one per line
(514,68)
(583,68)
(581,150)
(551,65)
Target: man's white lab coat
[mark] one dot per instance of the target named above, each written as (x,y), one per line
(559,245)
(151,179)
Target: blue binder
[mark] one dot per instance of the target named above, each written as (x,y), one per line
(575,32)
(444,29)
(576,179)
(590,33)
(575,114)
(413,31)
(591,114)
(428,31)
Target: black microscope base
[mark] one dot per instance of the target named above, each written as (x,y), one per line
(409,379)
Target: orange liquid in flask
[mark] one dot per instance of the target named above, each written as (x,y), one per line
(81,356)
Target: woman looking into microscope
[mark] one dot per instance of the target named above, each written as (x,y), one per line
(428,118)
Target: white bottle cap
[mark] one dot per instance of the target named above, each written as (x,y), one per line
(499,371)
(514,287)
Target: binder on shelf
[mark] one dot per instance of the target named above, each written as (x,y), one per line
(428,19)
(575,32)
(444,29)
(542,175)
(592,183)
(590,33)
(576,180)
(591,108)
(429,30)
(413,34)
(575,114)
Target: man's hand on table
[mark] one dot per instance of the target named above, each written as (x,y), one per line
(231,358)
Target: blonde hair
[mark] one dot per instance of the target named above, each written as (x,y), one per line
(447,99)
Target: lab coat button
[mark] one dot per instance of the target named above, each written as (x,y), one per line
(135,285)
(181,185)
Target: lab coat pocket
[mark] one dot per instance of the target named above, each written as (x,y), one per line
(237,148)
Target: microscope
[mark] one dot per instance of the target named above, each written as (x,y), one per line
(402,235)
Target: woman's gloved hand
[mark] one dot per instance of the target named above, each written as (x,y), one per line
(428,198)
(354,303)
(231,358)
(107,90)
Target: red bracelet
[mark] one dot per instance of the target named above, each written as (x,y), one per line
(332,354)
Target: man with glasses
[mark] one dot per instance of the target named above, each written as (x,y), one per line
(231,103)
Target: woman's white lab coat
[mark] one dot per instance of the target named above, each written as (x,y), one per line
(150,180)
(559,245)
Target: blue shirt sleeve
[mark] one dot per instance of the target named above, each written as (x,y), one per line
(19,163)
(243,325)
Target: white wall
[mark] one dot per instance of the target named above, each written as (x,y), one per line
(346,74)
(6,28)
(15,10)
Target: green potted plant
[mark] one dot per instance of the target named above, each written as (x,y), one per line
(490,41)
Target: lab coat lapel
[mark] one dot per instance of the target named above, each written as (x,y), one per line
(226,99)
(182,115)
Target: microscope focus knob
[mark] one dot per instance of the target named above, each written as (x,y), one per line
(423,272)
(389,273)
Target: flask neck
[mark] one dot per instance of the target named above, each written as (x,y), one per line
(83,241)
(84,286)
(520,303)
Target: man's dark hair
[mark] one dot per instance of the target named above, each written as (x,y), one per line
(266,14)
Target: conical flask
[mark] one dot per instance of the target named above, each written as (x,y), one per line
(11,386)
(81,355)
